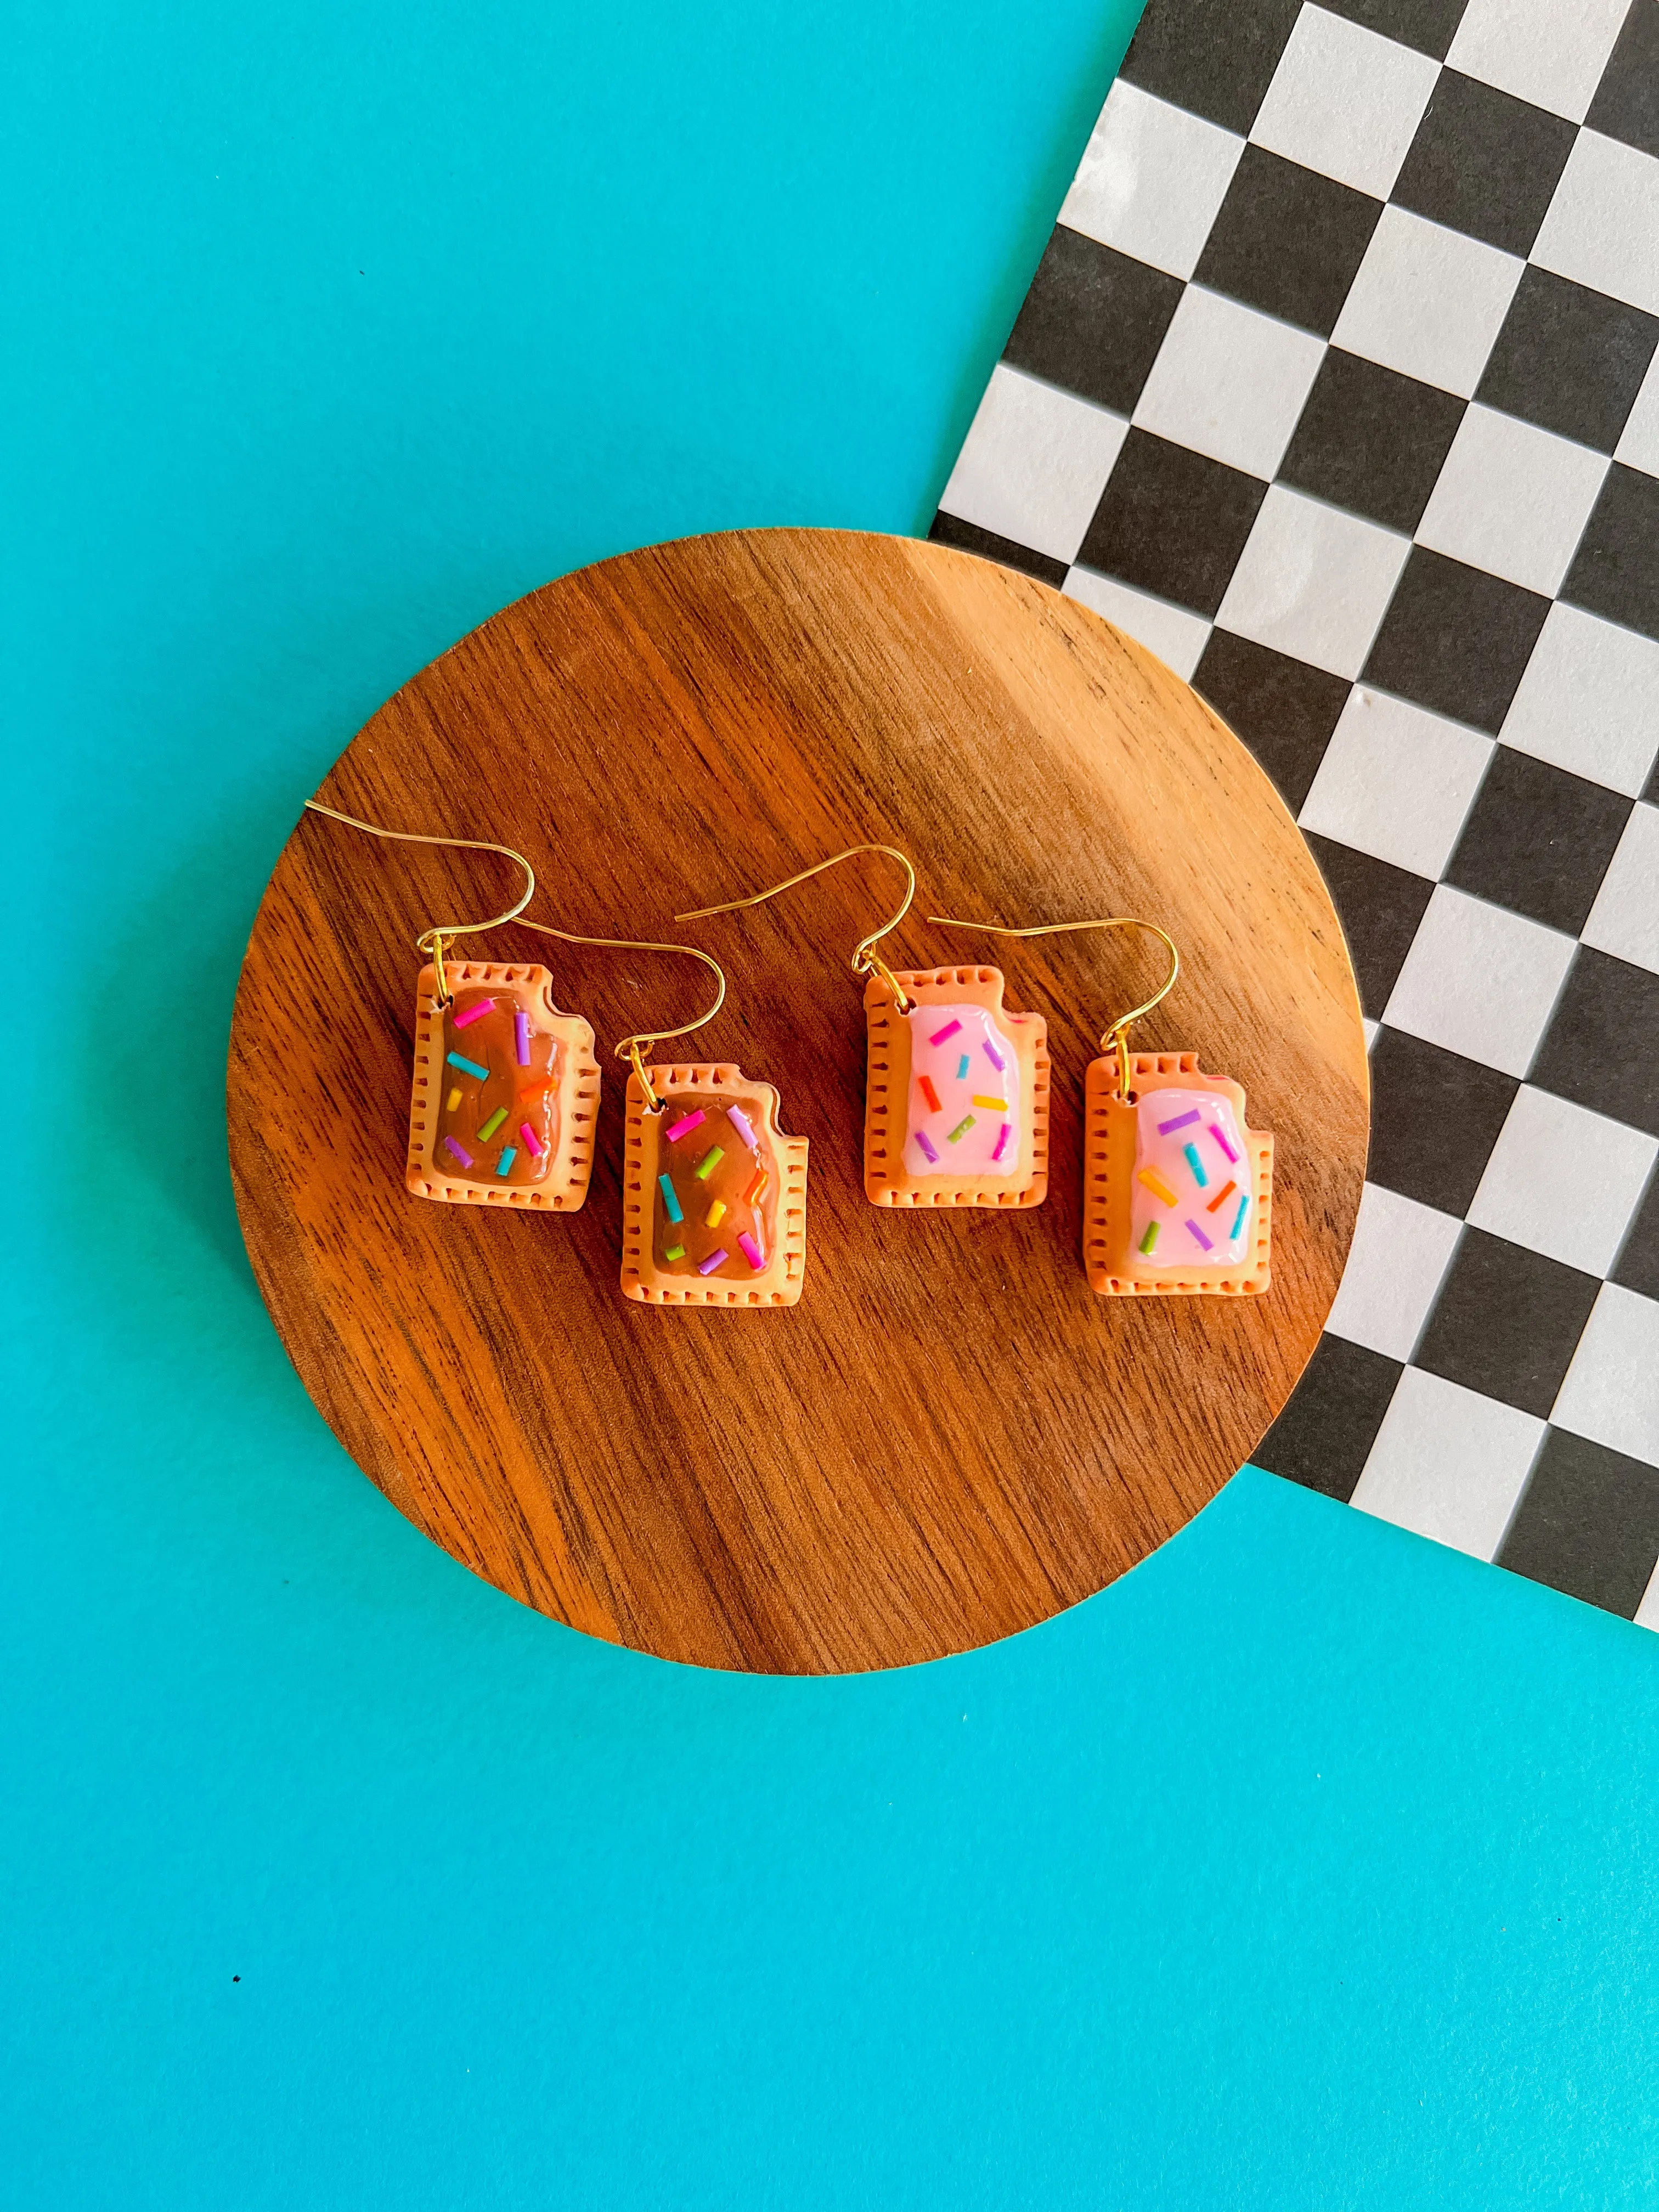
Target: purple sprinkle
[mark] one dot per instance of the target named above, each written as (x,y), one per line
(751,1251)
(925,1146)
(521,1037)
(683,1129)
(740,1123)
(460,1150)
(714,1260)
(1224,1141)
(995,1057)
(1201,1238)
(1181,1121)
(949,1030)
(1007,1131)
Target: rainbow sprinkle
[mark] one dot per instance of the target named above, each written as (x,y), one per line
(683,1129)
(473,1013)
(1238,1218)
(925,1146)
(1221,1198)
(962,1128)
(1224,1141)
(453,1100)
(1197,1166)
(1150,1239)
(962,1069)
(1003,1135)
(509,1153)
(715,1214)
(1181,1121)
(467,1067)
(492,1125)
(675,1252)
(531,1139)
(924,1085)
(710,1160)
(751,1251)
(993,1105)
(1155,1183)
(521,1037)
(460,1150)
(1203,1240)
(670,1198)
(714,1260)
(741,1123)
(995,1057)
(949,1030)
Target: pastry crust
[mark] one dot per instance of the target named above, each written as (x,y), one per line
(888,1180)
(1113,1267)
(436,1171)
(647,1154)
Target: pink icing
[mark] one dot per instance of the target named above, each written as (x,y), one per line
(982,1150)
(1186,1228)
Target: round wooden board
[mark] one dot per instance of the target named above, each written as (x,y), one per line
(951,1436)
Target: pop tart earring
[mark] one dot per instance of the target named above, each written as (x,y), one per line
(956,1089)
(1177,1193)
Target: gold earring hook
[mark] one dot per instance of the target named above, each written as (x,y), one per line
(642,1041)
(431,940)
(1114,1037)
(865,958)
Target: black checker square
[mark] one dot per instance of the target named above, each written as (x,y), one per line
(1287,240)
(1214,57)
(1507,1321)
(1637,1268)
(1484,163)
(1283,709)
(1428,24)
(1324,1436)
(1538,839)
(969,537)
(1371,440)
(1587,1524)
(1456,639)
(1600,1047)
(1569,359)
(1616,571)
(1626,102)
(1380,908)
(1093,320)
(1436,1117)
(1171,522)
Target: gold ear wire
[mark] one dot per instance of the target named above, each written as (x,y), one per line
(1114,1037)
(633,1047)
(865,958)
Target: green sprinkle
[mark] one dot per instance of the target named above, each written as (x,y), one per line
(492,1125)
(675,1252)
(709,1161)
(961,1129)
(1151,1237)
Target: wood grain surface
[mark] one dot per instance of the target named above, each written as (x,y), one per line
(951,1436)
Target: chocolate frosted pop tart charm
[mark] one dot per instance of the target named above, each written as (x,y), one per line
(714,1194)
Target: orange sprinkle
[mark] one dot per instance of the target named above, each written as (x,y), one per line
(924,1085)
(752,1196)
(538,1090)
(1221,1196)
(1155,1183)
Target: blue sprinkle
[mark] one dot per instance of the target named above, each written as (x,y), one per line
(507,1159)
(468,1066)
(1238,1218)
(676,1211)
(1197,1166)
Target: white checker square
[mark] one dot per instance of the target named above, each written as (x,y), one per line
(1151,180)
(1034,464)
(1563,1181)
(1610,1393)
(1427,301)
(1313,582)
(1551,52)
(1448,1463)
(1624,919)
(1480,980)
(1396,782)
(1602,229)
(1371,1028)
(1400,1252)
(1344,101)
(1229,382)
(1647,1613)
(1638,447)
(1586,702)
(1513,499)
(1174,634)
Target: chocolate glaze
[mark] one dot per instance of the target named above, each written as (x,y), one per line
(491,1042)
(728,1180)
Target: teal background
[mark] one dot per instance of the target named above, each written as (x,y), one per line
(1309,1866)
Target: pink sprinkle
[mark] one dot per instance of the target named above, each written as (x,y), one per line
(751,1251)
(1224,1141)
(531,1138)
(1006,1131)
(473,1013)
(714,1260)
(949,1030)
(460,1150)
(740,1123)
(521,1037)
(1203,1240)
(1181,1121)
(925,1144)
(683,1128)
(995,1057)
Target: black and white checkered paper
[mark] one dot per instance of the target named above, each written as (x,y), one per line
(1338,387)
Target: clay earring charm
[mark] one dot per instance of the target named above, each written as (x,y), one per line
(957,1087)
(506,1089)
(1177,1191)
